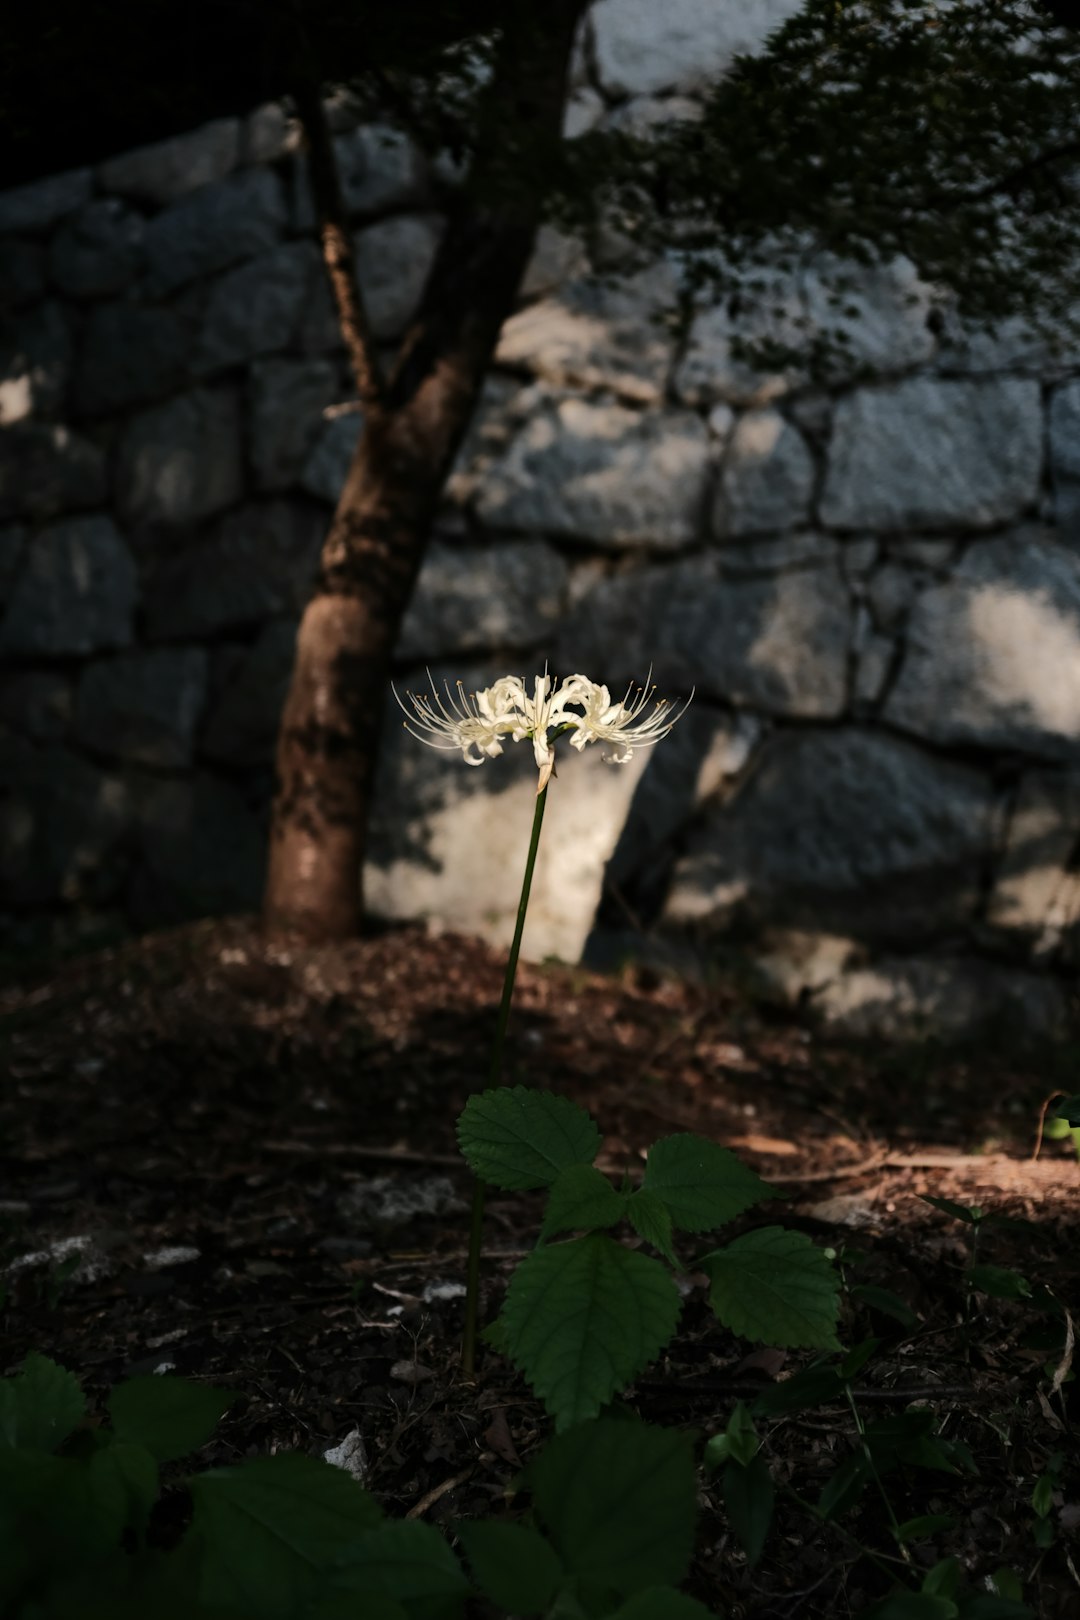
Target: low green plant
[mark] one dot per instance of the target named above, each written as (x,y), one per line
(583,1317)
(608,1536)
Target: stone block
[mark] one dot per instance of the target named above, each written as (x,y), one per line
(22,272)
(97,252)
(604,475)
(1065,458)
(169,169)
(848,832)
(557,258)
(37,703)
(758,559)
(445,844)
(35,364)
(951,998)
(243,725)
(713,368)
(45,470)
(642,49)
(393,259)
(286,399)
(181,461)
(1034,898)
(37,207)
(12,546)
(74,594)
(201,852)
(258,564)
(63,827)
(766,480)
(269,133)
(993,654)
(327,463)
(926,452)
(599,334)
(132,354)
(475,599)
(254,309)
(143,706)
(380,168)
(779,645)
(213,229)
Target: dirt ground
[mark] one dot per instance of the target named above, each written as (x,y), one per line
(238,1161)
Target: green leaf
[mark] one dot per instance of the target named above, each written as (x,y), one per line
(266,1527)
(581,1319)
(999,1282)
(40,1406)
(514,1566)
(651,1220)
(702,1184)
(408,1562)
(739,1442)
(943,1579)
(886,1303)
(662,1603)
(1068,1109)
(927,1524)
(845,1487)
(1042,1497)
(913,1606)
(581,1199)
(988,1606)
(776,1287)
(343,1606)
(125,1477)
(169,1416)
(970,1214)
(619,1500)
(814,1386)
(516,1138)
(748,1496)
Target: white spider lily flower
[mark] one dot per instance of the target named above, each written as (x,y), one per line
(475,724)
(625,725)
(479,723)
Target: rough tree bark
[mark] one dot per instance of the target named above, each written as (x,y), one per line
(413,425)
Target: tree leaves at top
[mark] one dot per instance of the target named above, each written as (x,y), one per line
(873,129)
(516,1139)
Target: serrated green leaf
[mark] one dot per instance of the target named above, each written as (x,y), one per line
(408,1562)
(775,1287)
(651,1220)
(40,1406)
(662,1603)
(265,1528)
(125,1477)
(749,1494)
(619,1500)
(516,1138)
(581,1319)
(581,1199)
(998,1282)
(171,1417)
(970,1214)
(513,1565)
(702,1184)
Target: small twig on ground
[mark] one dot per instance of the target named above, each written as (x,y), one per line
(429,1498)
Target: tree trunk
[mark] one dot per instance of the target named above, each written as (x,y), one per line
(330,727)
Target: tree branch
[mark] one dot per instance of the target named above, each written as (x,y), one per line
(337,249)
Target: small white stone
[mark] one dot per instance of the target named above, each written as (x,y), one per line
(350,1455)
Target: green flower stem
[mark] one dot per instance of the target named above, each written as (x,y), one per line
(476,1225)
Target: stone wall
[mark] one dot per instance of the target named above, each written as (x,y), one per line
(874,587)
